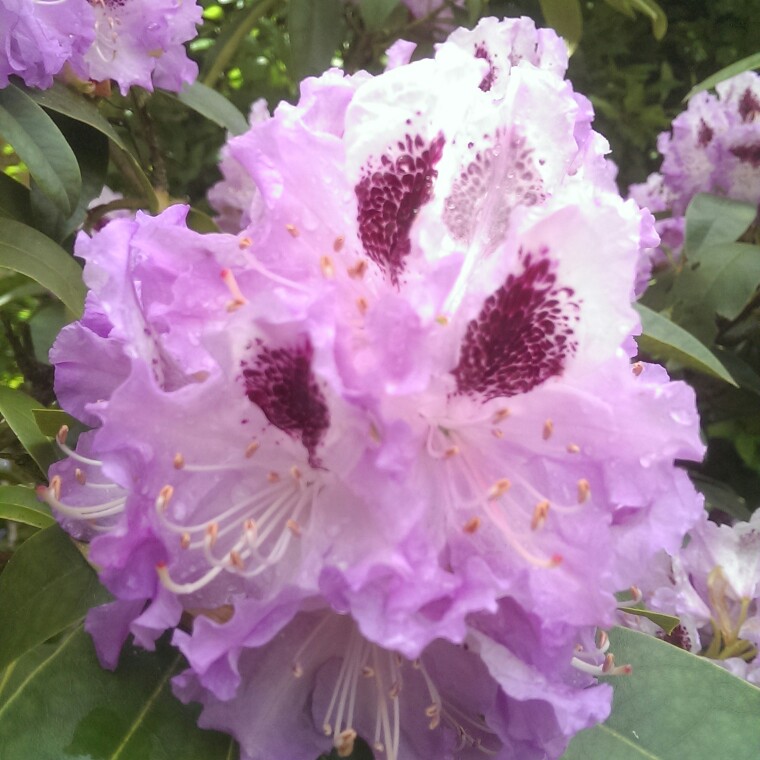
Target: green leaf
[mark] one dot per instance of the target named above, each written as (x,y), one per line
(213,106)
(91,149)
(21,504)
(50,421)
(566,18)
(712,220)
(656,16)
(665,340)
(376,12)
(721,281)
(200,222)
(316,31)
(63,100)
(666,622)
(673,705)
(14,200)
(720,496)
(27,251)
(17,409)
(46,587)
(745,64)
(56,702)
(41,146)
(44,326)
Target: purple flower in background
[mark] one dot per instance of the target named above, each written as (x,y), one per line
(713,147)
(38,38)
(389,433)
(713,587)
(141,42)
(131,41)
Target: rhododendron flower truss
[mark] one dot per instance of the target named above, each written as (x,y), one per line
(395,411)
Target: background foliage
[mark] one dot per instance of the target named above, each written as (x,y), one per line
(635,59)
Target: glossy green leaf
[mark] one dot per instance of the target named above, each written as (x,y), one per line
(666,622)
(50,421)
(27,251)
(41,146)
(63,100)
(14,200)
(745,64)
(46,587)
(664,340)
(21,504)
(316,30)
(17,410)
(213,106)
(376,12)
(91,150)
(713,220)
(565,17)
(721,281)
(673,705)
(57,702)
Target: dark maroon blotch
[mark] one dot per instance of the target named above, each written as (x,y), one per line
(281,383)
(390,194)
(487,82)
(678,637)
(749,106)
(750,154)
(522,336)
(705,134)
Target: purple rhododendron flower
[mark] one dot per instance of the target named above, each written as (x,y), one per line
(713,147)
(135,42)
(713,587)
(38,37)
(389,433)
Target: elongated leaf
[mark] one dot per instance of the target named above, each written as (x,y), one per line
(14,199)
(213,106)
(674,704)
(666,622)
(17,409)
(45,588)
(712,220)
(27,251)
(745,64)
(720,496)
(41,146)
(566,18)
(91,149)
(721,281)
(50,421)
(22,505)
(315,30)
(61,99)
(56,702)
(665,340)
(656,15)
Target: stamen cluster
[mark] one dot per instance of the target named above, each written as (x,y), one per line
(385,444)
